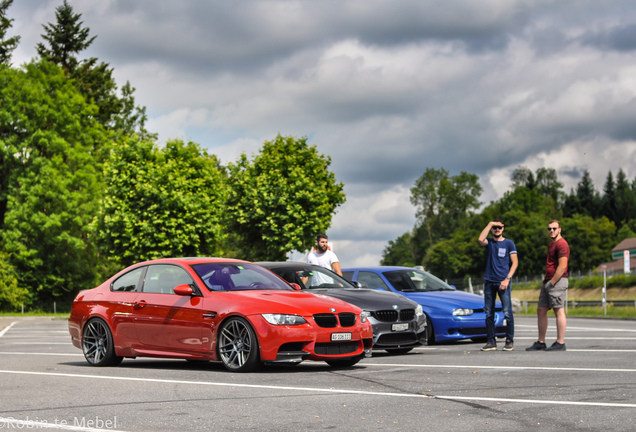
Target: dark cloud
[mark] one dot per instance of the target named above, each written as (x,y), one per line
(386,88)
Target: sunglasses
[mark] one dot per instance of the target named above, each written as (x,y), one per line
(553,229)
(497,227)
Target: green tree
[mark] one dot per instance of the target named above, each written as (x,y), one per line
(11,294)
(590,240)
(49,143)
(400,252)
(585,200)
(544,181)
(443,202)
(456,257)
(161,202)
(625,200)
(281,198)
(608,201)
(7,45)
(64,41)
(522,176)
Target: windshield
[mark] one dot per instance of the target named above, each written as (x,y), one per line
(238,277)
(415,281)
(313,278)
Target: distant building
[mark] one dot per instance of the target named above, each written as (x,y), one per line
(618,254)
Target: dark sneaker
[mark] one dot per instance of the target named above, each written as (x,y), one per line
(556,347)
(490,346)
(537,346)
(509,346)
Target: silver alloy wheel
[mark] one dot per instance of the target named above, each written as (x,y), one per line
(95,341)
(97,344)
(238,347)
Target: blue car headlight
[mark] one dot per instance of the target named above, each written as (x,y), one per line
(462,312)
(364,316)
(418,311)
(282,319)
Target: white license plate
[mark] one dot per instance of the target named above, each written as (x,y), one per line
(340,336)
(400,327)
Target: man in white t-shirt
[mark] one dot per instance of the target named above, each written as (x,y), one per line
(323,256)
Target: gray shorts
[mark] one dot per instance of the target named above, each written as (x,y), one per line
(553,296)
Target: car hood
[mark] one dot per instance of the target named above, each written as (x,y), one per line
(451,299)
(367,299)
(291,302)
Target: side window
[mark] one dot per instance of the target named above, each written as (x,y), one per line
(372,280)
(348,275)
(129,281)
(162,279)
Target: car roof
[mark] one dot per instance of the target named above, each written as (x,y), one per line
(286,264)
(378,268)
(191,260)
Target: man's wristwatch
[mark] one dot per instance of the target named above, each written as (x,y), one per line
(508,277)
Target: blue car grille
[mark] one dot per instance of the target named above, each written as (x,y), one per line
(328,320)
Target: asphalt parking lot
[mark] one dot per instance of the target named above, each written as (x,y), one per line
(45,383)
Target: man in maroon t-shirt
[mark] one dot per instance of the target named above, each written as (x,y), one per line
(552,295)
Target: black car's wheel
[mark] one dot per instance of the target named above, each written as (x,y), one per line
(430,331)
(399,350)
(238,346)
(345,362)
(98,345)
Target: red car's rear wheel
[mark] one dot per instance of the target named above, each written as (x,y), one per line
(97,344)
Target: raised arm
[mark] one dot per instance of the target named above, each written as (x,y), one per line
(482,237)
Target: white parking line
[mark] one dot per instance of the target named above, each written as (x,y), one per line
(41,354)
(498,367)
(323,390)
(574,328)
(6,329)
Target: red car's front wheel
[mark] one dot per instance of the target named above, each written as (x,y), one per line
(238,346)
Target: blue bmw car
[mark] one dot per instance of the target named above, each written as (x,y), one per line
(451,314)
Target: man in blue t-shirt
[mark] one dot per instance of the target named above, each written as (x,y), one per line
(500,267)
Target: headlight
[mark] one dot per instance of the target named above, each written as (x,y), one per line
(418,311)
(281,319)
(364,316)
(462,312)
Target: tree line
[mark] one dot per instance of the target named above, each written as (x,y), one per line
(86,189)
(448,221)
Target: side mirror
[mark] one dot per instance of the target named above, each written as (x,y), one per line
(295,286)
(183,290)
(358,284)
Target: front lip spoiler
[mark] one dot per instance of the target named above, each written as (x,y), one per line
(290,357)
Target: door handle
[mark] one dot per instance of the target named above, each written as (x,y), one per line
(140,304)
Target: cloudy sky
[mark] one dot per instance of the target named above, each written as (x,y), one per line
(386,88)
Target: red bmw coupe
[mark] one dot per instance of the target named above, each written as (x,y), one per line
(214,309)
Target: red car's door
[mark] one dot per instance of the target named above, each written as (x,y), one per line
(165,320)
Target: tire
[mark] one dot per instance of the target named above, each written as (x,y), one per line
(430,331)
(344,363)
(98,345)
(238,346)
(399,350)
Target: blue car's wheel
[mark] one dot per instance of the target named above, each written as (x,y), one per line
(430,331)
